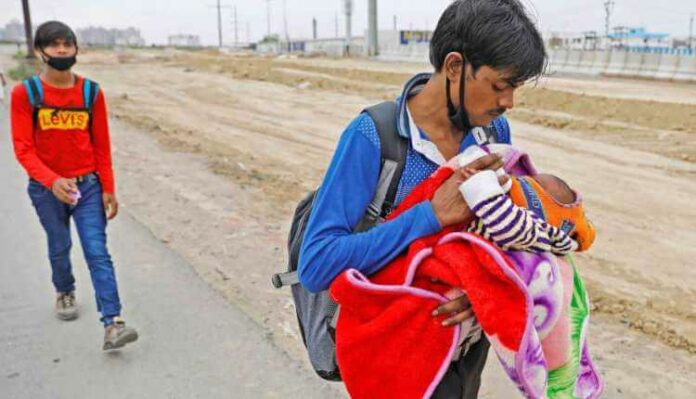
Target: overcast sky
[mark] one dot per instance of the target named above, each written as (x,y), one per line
(157,19)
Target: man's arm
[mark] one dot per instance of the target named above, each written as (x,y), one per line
(329,245)
(102,144)
(22,125)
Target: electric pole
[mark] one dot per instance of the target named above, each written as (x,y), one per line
(236,28)
(285,21)
(336,25)
(691,31)
(219,8)
(268,17)
(608,9)
(219,24)
(314,28)
(395,22)
(349,17)
(28,29)
(373,45)
(235,22)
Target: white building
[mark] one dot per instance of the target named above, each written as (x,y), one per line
(98,36)
(184,41)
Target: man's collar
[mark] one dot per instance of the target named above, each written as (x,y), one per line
(411,88)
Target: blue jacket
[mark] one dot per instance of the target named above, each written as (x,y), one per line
(329,245)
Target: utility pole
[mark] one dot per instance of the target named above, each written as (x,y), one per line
(373,45)
(285,22)
(28,29)
(336,25)
(236,28)
(608,9)
(395,22)
(314,28)
(349,18)
(691,31)
(248,33)
(268,17)
(219,8)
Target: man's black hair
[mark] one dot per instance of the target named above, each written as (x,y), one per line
(50,31)
(496,33)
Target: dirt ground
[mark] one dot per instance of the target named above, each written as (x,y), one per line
(266,127)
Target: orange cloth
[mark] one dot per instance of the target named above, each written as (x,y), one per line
(570,218)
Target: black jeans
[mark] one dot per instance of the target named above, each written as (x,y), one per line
(463,379)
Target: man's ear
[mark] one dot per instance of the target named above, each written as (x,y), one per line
(453,66)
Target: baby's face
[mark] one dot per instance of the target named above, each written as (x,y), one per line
(556,188)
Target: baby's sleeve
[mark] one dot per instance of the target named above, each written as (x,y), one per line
(507,225)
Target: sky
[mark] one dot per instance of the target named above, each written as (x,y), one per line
(157,19)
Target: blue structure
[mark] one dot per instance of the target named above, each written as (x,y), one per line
(636,34)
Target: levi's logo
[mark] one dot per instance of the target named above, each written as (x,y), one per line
(62,119)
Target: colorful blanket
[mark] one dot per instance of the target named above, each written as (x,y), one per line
(533,309)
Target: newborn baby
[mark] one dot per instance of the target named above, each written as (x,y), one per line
(530,212)
(541,214)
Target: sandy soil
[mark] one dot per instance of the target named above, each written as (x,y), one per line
(267,127)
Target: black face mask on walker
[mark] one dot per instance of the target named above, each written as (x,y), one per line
(59,63)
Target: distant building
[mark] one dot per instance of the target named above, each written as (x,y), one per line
(184,41)
(573,40)
(98,36)
(637,37)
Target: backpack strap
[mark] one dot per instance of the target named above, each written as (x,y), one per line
(393,148)
(90,90)
(34,91)
(35,94)
(393,154)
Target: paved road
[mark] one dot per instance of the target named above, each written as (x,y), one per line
(193,344)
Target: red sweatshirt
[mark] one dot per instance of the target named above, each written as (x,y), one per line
(61,146)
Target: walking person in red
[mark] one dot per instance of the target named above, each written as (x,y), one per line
(61,138)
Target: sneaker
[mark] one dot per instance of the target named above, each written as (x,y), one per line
(66,309)
(117,335)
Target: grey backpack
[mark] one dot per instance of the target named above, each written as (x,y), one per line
(317,313)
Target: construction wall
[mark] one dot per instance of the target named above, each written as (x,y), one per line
(666,65)
(413,46)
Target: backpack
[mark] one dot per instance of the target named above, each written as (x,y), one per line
(317,313)
(90,90)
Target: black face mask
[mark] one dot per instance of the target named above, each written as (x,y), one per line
(60,63)
(459,117)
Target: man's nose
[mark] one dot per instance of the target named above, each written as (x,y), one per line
(507,100)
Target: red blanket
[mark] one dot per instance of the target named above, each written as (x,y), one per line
(397,303)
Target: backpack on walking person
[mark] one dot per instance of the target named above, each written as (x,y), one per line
(317,312)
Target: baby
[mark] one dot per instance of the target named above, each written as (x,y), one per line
(530,212)
(540,214)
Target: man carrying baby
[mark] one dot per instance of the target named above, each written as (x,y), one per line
(481,51)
